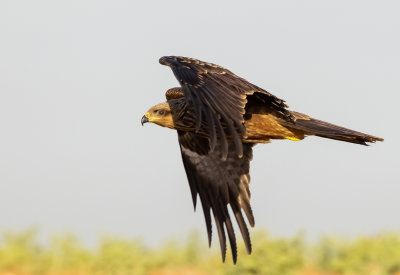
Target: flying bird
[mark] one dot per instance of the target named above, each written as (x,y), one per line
(219,117)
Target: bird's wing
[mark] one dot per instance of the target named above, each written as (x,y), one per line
(218,98)
(219,183)
(174,93)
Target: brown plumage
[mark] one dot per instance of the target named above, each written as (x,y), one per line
(219,117)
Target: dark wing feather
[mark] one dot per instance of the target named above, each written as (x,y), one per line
(218,98)
(219,183)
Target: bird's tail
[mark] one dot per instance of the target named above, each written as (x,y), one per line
(312,126)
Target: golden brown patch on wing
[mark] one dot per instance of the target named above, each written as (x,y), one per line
(263,127)
(174,93)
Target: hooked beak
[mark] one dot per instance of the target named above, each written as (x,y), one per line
(144,119)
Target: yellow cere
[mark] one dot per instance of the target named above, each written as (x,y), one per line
(150,117)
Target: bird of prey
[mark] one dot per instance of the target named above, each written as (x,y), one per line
(219,117)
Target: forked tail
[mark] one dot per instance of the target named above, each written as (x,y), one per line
(312,126)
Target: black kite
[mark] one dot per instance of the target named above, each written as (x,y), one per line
(219,117)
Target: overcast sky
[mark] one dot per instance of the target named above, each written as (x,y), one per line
(77,76)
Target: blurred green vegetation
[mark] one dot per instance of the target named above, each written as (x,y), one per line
(22,253)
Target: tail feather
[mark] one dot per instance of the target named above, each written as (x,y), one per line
(312,126)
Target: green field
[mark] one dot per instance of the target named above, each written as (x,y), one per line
(21,253)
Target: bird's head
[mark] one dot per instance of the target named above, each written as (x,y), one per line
(159,114)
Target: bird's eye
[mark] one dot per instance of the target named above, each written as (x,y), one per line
(161,112)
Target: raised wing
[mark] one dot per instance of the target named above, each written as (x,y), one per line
(218,98)
(219,183)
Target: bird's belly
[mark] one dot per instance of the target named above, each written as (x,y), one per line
(263,127)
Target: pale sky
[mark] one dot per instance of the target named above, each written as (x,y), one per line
(77,76)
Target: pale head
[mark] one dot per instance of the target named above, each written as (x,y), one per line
(159,114)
